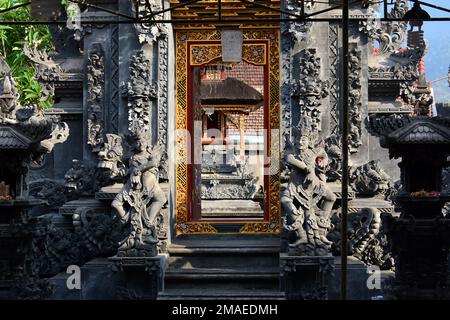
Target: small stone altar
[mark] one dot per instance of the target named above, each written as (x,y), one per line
(26,135)
(419,237)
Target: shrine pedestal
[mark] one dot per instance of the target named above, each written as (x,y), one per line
(306,277)
(143,276)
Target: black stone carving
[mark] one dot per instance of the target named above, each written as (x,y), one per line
(96,96)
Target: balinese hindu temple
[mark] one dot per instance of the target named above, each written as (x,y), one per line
(197,153)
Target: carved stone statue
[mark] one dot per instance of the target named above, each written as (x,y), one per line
(306,199)
(111,159)
(140,200)
(422,107)
(8,91)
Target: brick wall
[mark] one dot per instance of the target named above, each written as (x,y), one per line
(253,76)
(248,73)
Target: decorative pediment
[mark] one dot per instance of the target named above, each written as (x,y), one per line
(421,132)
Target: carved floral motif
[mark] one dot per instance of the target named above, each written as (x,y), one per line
(355,103)
(139,91)
(389,35)
(96,97)
(310,89)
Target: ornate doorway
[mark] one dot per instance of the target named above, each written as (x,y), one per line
(227,140)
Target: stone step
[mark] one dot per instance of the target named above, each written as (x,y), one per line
(233,265)
(214,294)
(228,254)
(236,279)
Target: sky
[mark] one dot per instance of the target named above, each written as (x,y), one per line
(437,60)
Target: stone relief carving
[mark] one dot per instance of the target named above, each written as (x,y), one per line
(140,201)
(163,111)
(309,88)
(115,87)
(52,248)
(389,35)
(222,191)
(96,96)
(139,90)
(98,233)
(162,229)
(364,225)
(149,32)
(355,103)
(47,70)
(306,198)
(369,179)
(333,147)
(28,287)
(293,33)
(83,180)
(28,135)
(138,204)
(366,238)
(407,73)
(387,124)
(50,191)
(111,158)
(297,31)
(334,78)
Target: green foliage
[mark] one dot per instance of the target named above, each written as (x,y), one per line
(65,3)
(12,39)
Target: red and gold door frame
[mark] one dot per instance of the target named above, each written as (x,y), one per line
(196,48)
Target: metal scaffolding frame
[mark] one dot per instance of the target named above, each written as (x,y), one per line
(290,16)
(293,17)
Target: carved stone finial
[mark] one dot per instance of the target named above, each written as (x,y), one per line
(47,70)
(8,92)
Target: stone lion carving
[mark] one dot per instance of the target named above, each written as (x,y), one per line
(306,199)
(140,200)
